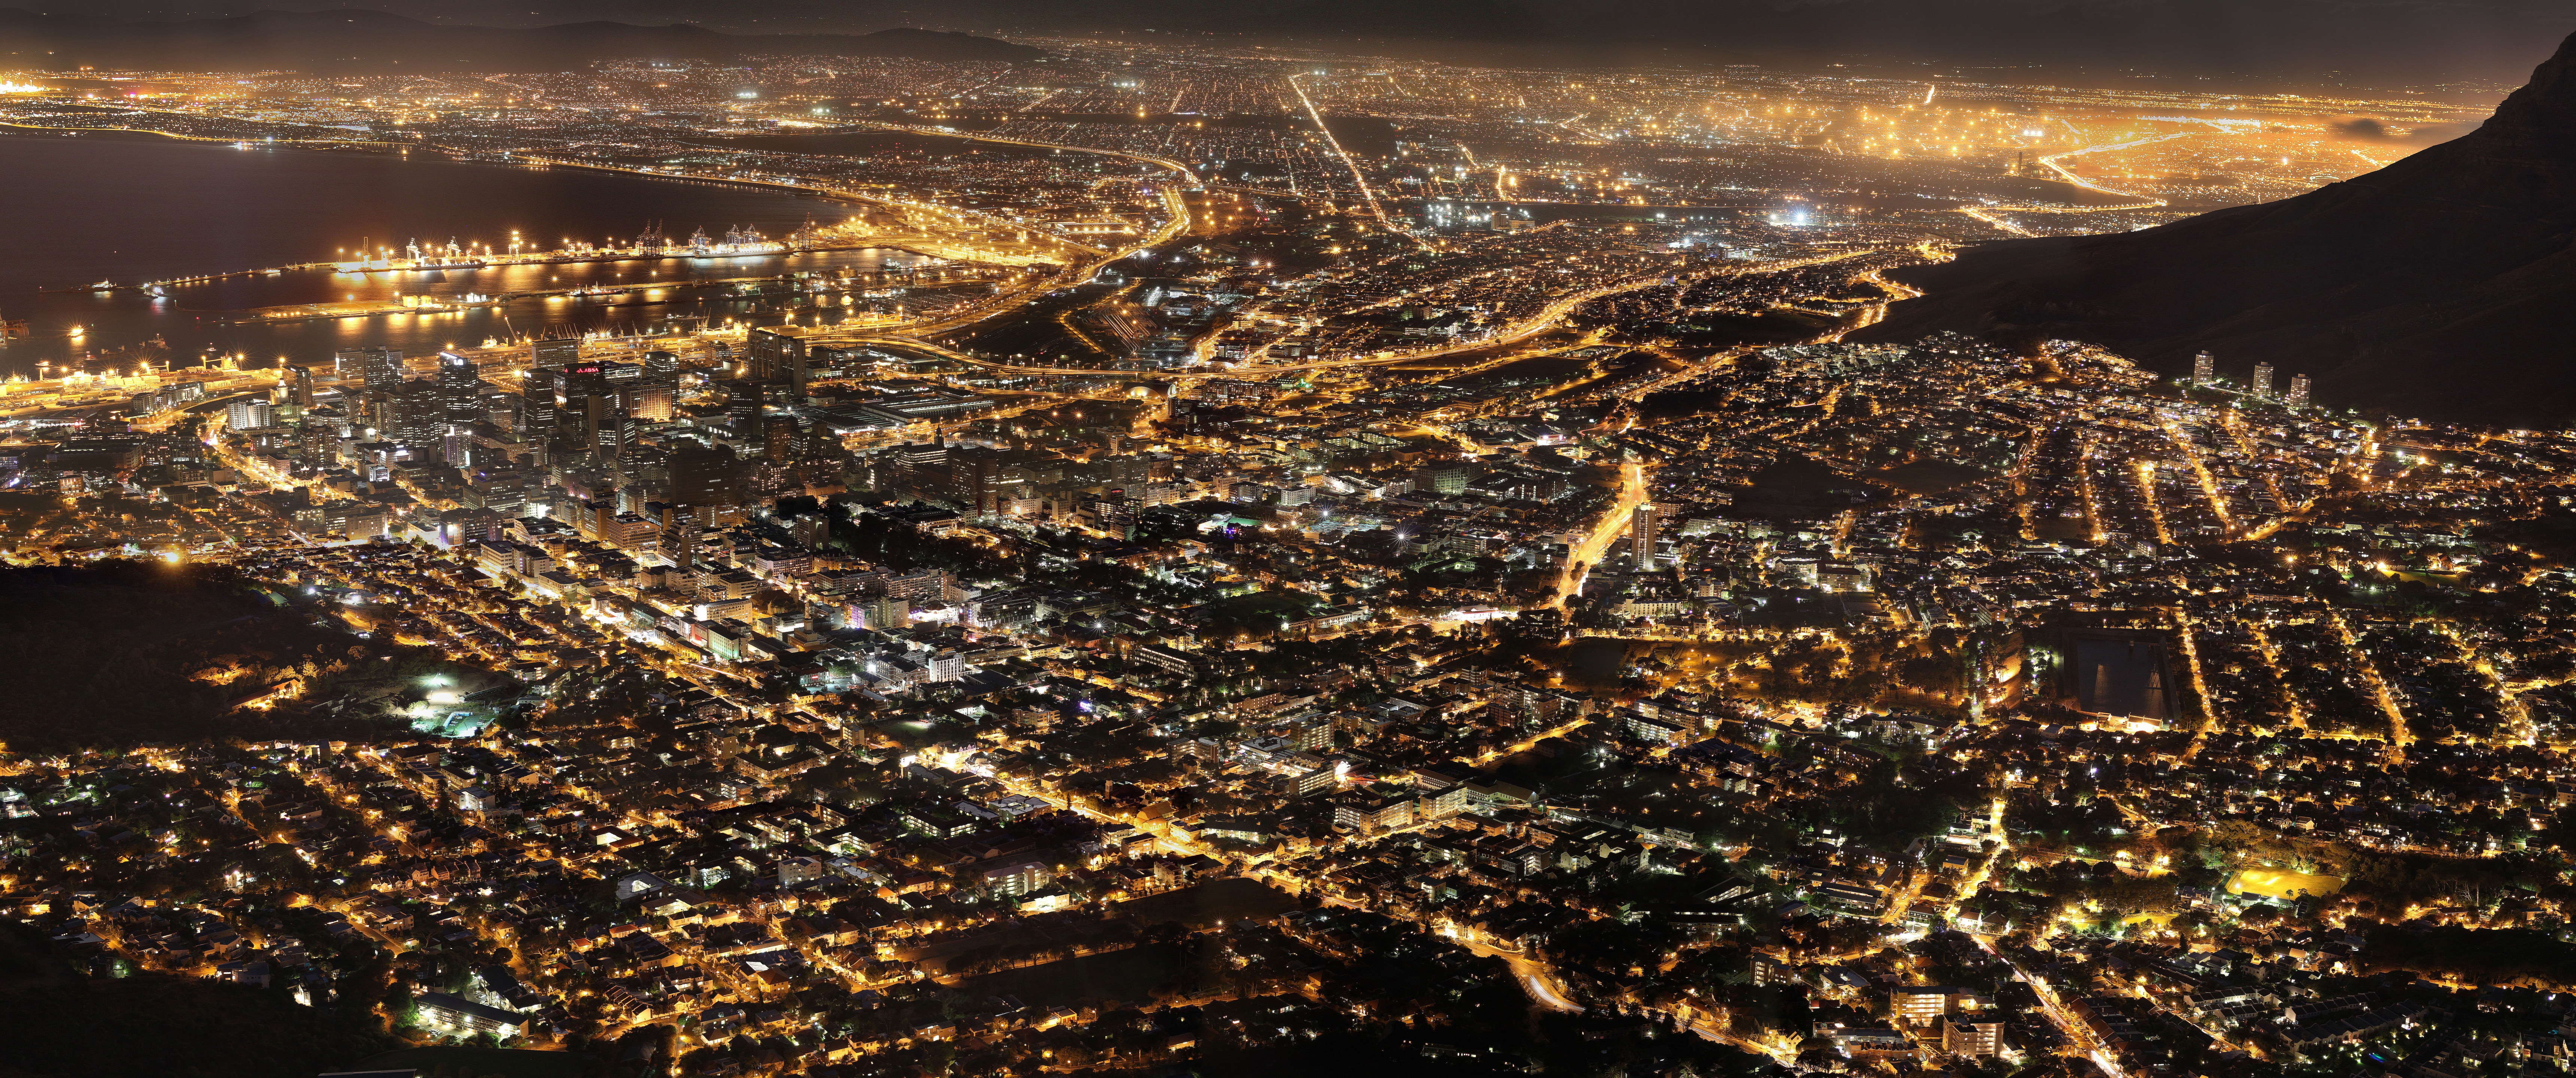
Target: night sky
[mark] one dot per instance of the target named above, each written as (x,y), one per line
(2400,40)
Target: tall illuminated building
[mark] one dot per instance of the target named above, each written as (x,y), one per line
(2298,391)
(537,409)
(382,368)
(379,368)
(247,413)
(417,417)
(649,402)
(655,397)
(380,374)
(1644,528)
(460,388)
(2262,379)
(2204,370)
(456,447)
(777,355)
(577,410)
(613,428)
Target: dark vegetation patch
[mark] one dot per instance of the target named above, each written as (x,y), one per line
(58,1023)
(142,652)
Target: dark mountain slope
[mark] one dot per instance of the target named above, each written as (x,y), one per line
(378,43)
(2443,285)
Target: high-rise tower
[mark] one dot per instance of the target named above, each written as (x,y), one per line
(1644,528)
(460,388)
(378,368)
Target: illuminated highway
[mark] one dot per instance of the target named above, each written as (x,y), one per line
(1358,175)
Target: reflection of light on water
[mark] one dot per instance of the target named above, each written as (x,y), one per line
(117,318)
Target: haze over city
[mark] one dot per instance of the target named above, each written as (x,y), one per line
(1983,538)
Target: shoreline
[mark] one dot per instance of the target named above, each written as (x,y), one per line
(377,148)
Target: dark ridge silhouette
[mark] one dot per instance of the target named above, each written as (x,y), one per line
(2296,42)
(379,43)
(2442,286)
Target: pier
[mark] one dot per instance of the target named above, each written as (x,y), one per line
(653,250)
(863,281)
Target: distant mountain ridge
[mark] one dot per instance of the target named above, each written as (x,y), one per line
(2441,286)
(2379,42)
(352,40)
